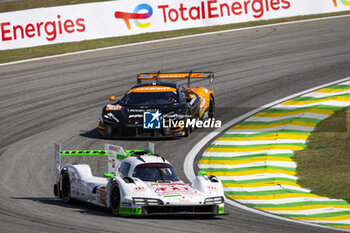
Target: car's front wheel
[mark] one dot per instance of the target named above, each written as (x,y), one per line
(115,199)
(188,130)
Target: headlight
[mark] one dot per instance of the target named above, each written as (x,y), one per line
(108,116)
(147,201)
(214,200)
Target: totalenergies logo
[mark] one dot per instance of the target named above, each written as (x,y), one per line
(345,2)
(126,16)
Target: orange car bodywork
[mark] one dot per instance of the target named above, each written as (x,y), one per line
(148,89)
(204,94)
(199,102)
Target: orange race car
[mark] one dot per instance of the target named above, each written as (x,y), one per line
(158,109)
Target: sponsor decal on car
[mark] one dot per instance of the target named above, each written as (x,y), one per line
(136,116)
(111,107)
(101,196)
(203,105)
(148,89)
(139,189)
(167,190)
(126,204)
(141,110)
(213,188)
(168,184)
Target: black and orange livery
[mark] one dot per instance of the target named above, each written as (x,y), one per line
(124,117)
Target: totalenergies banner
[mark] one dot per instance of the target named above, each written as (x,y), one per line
(52,25)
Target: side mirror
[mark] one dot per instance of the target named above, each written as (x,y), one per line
(112,98)
(108,175)
(202,173)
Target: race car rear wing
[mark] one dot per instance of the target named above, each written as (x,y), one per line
(189,75)
(114,153)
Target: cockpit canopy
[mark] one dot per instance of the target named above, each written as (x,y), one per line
(155,172)
(165,95)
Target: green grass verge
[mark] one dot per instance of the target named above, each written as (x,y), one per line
(47,50)
(324,166)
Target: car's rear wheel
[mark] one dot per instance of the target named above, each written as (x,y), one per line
(65,187)
(188,130)
(211,108)
(115,199)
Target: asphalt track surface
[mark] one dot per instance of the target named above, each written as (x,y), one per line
(60,99)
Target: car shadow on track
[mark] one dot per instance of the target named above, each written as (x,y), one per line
(88,208)
(90,134)
(76,206)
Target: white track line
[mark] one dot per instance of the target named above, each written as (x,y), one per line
(174,38)
(191,156)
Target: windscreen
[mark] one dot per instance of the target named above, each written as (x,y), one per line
(153,98)
(155,172)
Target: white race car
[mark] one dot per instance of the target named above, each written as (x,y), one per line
(138,182)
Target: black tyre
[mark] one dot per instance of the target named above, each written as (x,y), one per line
(65,187)
(188,130)
(211,108)
(108,131)
(115,199)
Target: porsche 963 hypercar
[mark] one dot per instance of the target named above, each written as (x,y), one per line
(138,182)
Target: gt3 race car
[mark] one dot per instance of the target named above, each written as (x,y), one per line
(138,182)
(158,109)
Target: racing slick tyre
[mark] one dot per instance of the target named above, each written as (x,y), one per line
(188,130)
(108,131)
(115,199)
(65,187)
(211,108)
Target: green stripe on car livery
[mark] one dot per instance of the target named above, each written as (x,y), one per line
(254,158)
(124,210)
(74,153)
(69,153)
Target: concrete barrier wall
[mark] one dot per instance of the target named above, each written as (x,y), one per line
(43,26)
